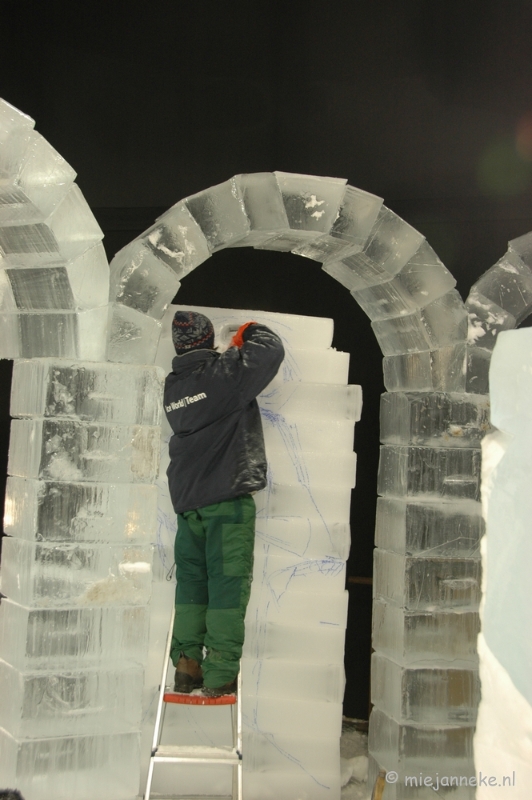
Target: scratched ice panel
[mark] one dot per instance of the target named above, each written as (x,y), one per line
(420,694)
(264,207)
(80,512)
(307,434)
(444,528)
(403,334)
(294,717)
(449,473)
(311,609)
(66,767)
(313,366)
(356,217)
(285,572)
(145,287)
(288,464)
(313,538)
(332,504)
(133,336)
(51,574)
(37,704)
(72,638)
(385,300)
(73,451)
(87,391)
(288,755)
(274,785)
(431,637)
(219,212)
(322,683)
(322,644)
(334,402)
(437,370)
(434,418)
(508,284)
(355,272)
(411,748)
(425,277)
(446,319)
(34,180)
(478,367)
(486,320)
(66,233)
(426,582)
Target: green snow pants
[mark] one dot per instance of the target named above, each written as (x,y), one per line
(214,568)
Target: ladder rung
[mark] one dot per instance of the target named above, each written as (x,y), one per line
(197,753)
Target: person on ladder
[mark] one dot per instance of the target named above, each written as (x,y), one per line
(217,461)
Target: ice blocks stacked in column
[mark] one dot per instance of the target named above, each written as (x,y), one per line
(80,516)
(54,275)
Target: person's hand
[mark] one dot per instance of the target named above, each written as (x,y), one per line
(237,340)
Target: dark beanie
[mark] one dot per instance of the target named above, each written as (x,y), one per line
(191,331)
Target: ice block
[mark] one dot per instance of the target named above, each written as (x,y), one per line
(114,513)
(264,207)
(443,369)
(288,464)
(79,390)
(51,575)
(434,418)
(294,718)
(64,450)
(478,367)
(284,573)
(313,366)
(310,537)
(133,336)
(321,644)
(444,528)
(486,321)
(273,785)
(447,473)
(307,608)
(329,401)
(426,582)
(508,284)
(317,683)
(265,753)
(439,696)
(219,211)
(329,503)
(13,121)
(148,288)
(308,433)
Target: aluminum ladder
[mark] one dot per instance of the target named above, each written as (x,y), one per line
(196,754)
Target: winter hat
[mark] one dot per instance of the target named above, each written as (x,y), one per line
(191,331)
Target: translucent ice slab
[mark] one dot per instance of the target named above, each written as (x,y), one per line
(38,704)
(418,694)
(431,471)
(437,370)
(298,399)
(288,755)
(66,233)
(409,748)
(81,512)
(326,503)
(426,583)
(351,228)
(56,334)
(219,211)
(133,336)
(522,246)
(286,573)
(294,718)
(79,284)
(84,767)
(323,644)
(104,392)
(313,538)
(317,683)
(145,287)
(288,464)
(435,418)
(273,785)
(508,284)
(425,637)
(313,366)
(478,366)
(310,610)
(443,528)
(308,434)
(264,207)
(76,451)
(13,121)
(486,320)
(48,575)
(72,638)
(32,182)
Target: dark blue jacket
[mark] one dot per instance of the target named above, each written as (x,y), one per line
(217,450)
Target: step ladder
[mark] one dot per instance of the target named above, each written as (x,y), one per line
(196,754)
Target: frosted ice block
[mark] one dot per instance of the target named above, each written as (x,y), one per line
(133,336)
(327,503)
(148,288)
(81,512)
(411,748)
(219,211)
(317,683)
(272,785)
(439,696)
(486,320)
(425,277)
(76,451)
(321,644)
(64,334)
(308,433)
(13,121)
(404,334)
(66,233)
(266,753)
(288,464)
(34,181)
(440,370)
(508,284)
(37,704)
(294,718)
(49,575)
(510,396)
(434,418)
(478,367)
(431,471)
(356,217)
(313,538)
(426,582)
(313,366)
(309,609)
(72,638)
(284,573)
(84,767)
(303,399)
(264,207)
(425,637)
(87,391)
(445,528)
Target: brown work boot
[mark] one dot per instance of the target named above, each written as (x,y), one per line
(188,675)
(227,688)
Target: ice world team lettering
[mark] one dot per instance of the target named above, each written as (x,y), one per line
(185,401)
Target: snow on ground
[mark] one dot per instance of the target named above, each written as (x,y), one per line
(354,763)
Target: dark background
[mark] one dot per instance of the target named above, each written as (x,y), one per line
(427,104)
